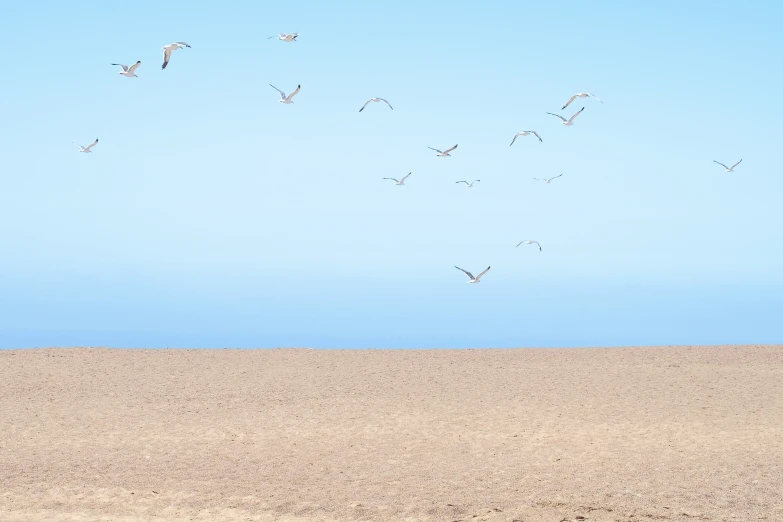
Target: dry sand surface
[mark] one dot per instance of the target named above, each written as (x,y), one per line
(631,434)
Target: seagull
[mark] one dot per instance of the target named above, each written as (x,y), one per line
(286,99)
(580,95)
(473,279)
(569,121)
(171,47)
(529,242)
(376,100)
(524,133)
(445,153)
(548,180)
(468,184)
(285,37)
(88,147)
(728,169)
(128,71)
(400,181)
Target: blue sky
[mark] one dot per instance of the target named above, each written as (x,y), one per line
(210,215)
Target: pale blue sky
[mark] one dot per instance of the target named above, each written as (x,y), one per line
(210,215)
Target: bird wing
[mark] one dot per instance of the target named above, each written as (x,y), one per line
(721,164)
(572,98)
(539,245)
(134,66)
(387,103)
(556,115)
(594,96)
(465,182)
(536,135)
(521,241)
(91,145)
(466,272)
(482,273)
(282,94)
(395,180)
(293,35)
(436,150)
(515,139)
(406,176)
(294,93)
(740,161)
(124,67)
(539,179)
(553,177)
(365,105)
(183,43)
(449,150)
(275,36)
(166,56)
(577,113)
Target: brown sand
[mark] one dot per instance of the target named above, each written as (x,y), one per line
(632,434)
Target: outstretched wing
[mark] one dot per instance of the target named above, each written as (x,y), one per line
(740,161)
(534,133)
(550,179)
(572,98)
(577,113)
(282,94)
(296,91)
(436,150)
(521,241)
(275,36)
(515,139)
(721,164)
(365,105)
(594,96)
(449,150)
(458,182)
(182,43)
(466,272)
(134,67)
(91,145)
(406,176)
(395,180)
(556,115)
(124,67)
(166,56)
(539,245)
(482,273)
(387,103)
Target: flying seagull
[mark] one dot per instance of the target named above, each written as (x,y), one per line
(88,147)
(376,100)
(473,279)
(129,71)
(285,37)
(524,133)
(548,180)
(580,95)
(445,153)
(171,47)
(470,185)
(728,169)
(286,99)
(400,181)
(569,121)
(529,242)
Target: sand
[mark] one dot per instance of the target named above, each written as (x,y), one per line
(608,434)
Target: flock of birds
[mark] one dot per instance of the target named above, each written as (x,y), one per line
(130,72)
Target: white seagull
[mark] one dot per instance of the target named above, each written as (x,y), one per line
(442,153)
(171,47)
(88,147)
(128,71)
(524,133)
(376,100)
(570,121)
(728,169)
(285,37)
(286,99)
(470,185)
(400,181)
(580,95)
(548,180)
(529,242)
(473,279)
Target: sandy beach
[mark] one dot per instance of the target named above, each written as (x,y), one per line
(605,434)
